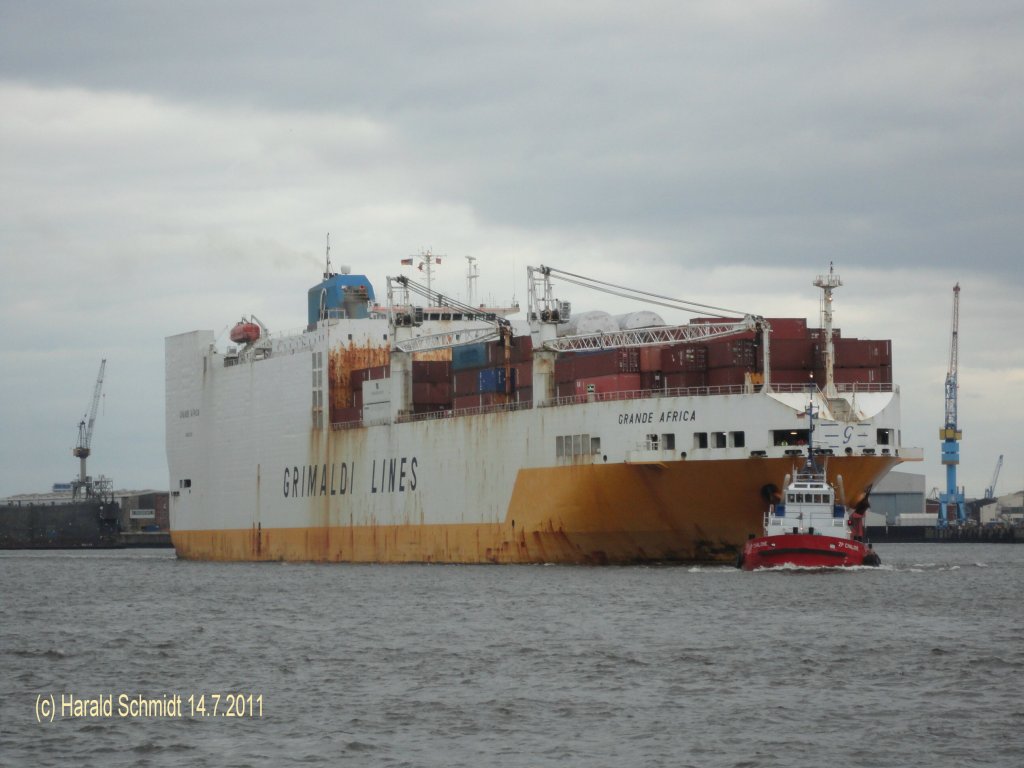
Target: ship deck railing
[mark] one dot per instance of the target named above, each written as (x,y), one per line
(596,397)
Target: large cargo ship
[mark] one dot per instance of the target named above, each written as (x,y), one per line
(424,430)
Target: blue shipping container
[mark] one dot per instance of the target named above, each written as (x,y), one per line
(469,356)
(493,379)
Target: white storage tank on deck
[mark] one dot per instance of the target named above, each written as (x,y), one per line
(643,319)
(595,321)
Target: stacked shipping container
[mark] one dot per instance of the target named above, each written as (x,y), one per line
(479,375)
(483,376)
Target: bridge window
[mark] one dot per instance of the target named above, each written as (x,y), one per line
(789,437)
(700,439)
(668,442)
(737,439)
(720,440)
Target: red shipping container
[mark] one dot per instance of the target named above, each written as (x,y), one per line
(726,377)
(852,353)
(565,389)
(791,353)
(622,382)
(652,380)
(428,393)
(524,394)
(788,328)
(522,349)
(686,380)
(684,357)
(465,401)
(592,364)
(466,382)
(731,353)
(431,371)
(523,375)
(650,358)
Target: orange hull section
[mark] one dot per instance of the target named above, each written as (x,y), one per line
(696,511)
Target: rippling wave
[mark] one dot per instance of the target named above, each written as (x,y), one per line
(915,663)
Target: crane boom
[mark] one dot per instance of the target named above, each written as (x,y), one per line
(990,492)
(645,337)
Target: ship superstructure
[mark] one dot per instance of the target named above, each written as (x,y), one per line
(439,432)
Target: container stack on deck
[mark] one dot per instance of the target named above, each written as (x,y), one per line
(478,375)
(611,370)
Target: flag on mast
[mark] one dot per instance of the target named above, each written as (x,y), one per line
(407,262)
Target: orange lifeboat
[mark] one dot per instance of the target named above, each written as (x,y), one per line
(245,332)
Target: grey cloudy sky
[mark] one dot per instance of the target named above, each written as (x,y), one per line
(170,166)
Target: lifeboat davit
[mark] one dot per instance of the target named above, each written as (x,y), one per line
(245,332)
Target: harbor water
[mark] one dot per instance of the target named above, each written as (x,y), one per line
(916,663)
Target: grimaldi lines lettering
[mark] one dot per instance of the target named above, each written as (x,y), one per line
(395,474)
(335,479)
(389,475)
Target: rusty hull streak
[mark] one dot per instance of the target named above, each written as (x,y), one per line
(343,360)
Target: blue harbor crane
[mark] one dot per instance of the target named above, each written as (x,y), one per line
(950,433)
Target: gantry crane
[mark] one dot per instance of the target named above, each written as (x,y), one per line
(82,450)
(950,433)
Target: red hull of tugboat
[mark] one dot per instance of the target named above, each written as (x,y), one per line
(805,551)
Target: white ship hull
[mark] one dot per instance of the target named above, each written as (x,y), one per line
(258,473)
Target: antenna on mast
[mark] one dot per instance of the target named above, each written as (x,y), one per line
(327,271)
(427,261)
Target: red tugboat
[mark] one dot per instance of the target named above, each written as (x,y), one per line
(808,527)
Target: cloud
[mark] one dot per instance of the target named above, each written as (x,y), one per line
(170,167)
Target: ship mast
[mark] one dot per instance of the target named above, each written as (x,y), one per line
(427,261)
(828,283)
(472,273)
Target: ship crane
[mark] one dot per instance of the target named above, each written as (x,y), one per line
(404,319)
(548,310)
(82,450)
(403,316)
(950,433)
